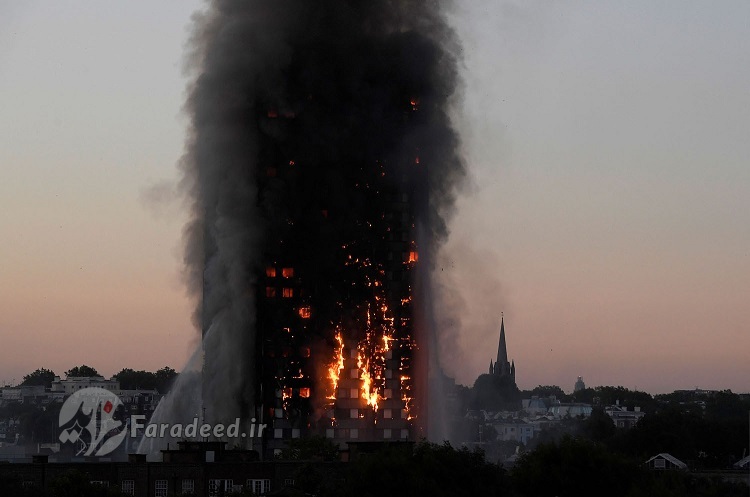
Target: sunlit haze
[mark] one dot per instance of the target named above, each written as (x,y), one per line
(607,214)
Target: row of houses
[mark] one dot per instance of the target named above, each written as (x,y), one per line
(62,388)
(18,444)
(209,469)
(665,461)
(538,414)
(145,400)
(205,469)
(195,468)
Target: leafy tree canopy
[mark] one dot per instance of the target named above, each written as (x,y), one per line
(549,391)
(161,380)
(575,466)
(81,371)
(164,378)
(608,395)
(310,448)
(434,470)
(41,376)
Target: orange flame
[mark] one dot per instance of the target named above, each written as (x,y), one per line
(379,335)
(369,392)
(334,370)
(406,395)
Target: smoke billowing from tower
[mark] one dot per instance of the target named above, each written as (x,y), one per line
(322,166)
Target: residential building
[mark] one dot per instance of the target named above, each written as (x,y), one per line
(624,418)
(72,384)
(664,461)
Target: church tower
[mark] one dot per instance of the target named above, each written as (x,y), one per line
(502,367)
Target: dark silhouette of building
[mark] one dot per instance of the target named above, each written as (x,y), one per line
(194,468)
(334,327)
(496,390)
(324,161)
(580,385)
(334,310)
(502,367)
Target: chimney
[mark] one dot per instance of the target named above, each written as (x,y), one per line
(136,458)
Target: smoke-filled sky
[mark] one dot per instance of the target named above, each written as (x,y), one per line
(608,215)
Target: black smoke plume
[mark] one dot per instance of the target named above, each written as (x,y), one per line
(316,91)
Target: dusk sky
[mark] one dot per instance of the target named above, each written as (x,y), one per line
(607,214)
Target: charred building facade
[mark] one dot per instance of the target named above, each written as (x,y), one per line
(322,164)
(334,307)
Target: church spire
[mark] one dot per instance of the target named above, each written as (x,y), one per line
(502,367)
(502,351)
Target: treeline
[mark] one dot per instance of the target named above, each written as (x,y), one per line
(716,405)
(700,441)
(602,395)
(160,380)
(572,466)
(577,466)
(568,467)
(708,432)
(36,422)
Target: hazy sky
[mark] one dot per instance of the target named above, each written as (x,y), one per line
(608,214)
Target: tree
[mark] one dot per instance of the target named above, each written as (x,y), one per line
(574,466)
(549,391)
(726,406)
(434,470)
(146,380)
(606,395)
(698,439)
(670,430)
(134,380)
(164,379)
(81,371)
(580,467)
(599,426)
(41,376)
(311,448)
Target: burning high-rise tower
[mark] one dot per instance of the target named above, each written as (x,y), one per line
(322,164)
(334,310)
